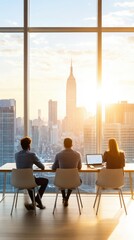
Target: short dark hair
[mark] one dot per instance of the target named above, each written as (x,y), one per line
(67,142)
(25,142)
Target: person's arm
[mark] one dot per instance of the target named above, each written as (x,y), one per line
(56,163)
(123,159)
(104,157)
(80,162)
(37,162)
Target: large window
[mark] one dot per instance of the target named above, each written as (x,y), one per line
(55,58)
(11,96)
(45,45)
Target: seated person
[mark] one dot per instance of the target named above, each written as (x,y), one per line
(67,158)
(114,157)
(26,159)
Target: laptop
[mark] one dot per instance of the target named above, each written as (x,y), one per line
(94,160)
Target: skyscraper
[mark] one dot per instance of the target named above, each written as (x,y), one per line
(52,113)
(7,134)
(119,119)
(7,130)
(35,138)
(122,112)
(52,122)
(70,102)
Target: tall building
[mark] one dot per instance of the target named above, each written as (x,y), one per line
(122,112)
(119,119)
(52,122)
(89,136)
(7,130)
(111,130)
(52,113)
(7,135)
(19,127)
(54,135)
(70,102)
(35,138)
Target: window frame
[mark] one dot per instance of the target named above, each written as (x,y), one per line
(98,30)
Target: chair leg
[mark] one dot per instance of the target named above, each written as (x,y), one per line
(78,202)
(123,201)
(120,198)
(14,200)
(96,197)
(80,197)
(99,195)
(55,201)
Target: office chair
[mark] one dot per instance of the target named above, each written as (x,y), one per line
(110,179)
(22,179)
(68,179)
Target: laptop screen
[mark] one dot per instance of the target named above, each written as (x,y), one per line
(94,159)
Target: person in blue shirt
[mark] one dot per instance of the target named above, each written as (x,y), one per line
(26,159)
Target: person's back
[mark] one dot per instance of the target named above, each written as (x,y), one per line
(114,162)
(67,158)
(26,159)
(114,158)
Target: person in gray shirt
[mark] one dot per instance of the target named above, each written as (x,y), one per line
(67,158)
(26,159)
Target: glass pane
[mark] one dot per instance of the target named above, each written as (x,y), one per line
(62,92)
(59,13)
(11,97)
(118,13)
(11,13)
(118,91)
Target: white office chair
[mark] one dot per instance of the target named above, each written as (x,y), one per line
(68,179)
(110,179)
(22,179)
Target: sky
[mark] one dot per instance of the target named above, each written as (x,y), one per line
(50,54)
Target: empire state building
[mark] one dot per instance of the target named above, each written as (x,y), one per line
(70,102)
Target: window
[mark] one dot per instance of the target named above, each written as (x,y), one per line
(54,59)
(65,40)
(11,100)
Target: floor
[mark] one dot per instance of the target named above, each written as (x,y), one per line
(111,223)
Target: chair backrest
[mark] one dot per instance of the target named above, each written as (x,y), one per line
(110,178)
(67,178)
(23,178)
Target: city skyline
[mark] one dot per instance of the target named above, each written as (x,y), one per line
(50,54)
(48,140)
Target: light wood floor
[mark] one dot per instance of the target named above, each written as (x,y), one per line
(111,223)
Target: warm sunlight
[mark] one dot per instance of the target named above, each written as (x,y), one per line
(87,99)
(89,96)
(110,92)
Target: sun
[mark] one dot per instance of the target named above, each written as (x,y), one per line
(90,96)
(86,97)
